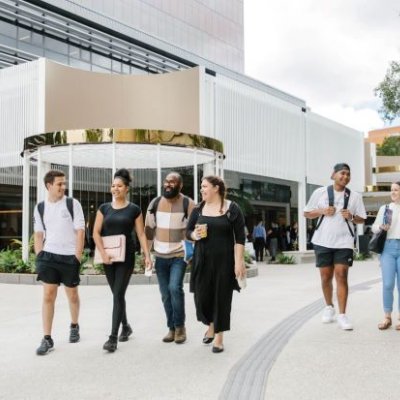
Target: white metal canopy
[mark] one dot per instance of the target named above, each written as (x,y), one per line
(113,149)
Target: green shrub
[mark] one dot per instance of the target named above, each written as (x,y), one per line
(284,259)
(361,256)
(247,257)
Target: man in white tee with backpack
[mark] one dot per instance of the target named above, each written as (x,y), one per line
(59,226)
(338,210)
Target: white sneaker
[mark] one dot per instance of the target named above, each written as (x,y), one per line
(344,323)
(328,315)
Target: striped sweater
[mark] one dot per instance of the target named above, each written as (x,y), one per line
(171,226)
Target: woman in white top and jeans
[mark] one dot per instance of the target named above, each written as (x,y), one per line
(390,258)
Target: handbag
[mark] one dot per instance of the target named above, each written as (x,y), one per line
(115,247)
(377,242)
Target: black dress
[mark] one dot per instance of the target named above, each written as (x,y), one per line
(213,267)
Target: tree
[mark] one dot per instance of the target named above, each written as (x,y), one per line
(389,147)
(389,91)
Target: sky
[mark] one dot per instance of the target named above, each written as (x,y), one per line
(330,53)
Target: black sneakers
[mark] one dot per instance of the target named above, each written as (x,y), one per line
(111,344)
(74,334)
(46,346)
(125,333)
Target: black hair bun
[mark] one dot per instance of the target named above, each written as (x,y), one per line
(123,174)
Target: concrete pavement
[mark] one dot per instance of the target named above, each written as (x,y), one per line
(277,348)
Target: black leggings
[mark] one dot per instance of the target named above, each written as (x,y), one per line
(118,276)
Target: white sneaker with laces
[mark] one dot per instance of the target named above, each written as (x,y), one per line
(344,323)
(328,315)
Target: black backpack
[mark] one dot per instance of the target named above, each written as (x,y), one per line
(70,206)
(154,207)
(331,199)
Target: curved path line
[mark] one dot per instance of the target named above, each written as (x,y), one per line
(248,377)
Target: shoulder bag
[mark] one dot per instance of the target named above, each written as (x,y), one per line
(377,242)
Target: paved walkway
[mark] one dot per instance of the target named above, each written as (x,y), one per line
(277,349)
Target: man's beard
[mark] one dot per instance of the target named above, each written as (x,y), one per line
(171,193)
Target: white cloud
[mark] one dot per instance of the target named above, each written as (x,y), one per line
(332,54)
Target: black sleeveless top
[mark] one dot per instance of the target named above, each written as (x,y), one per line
(119,221)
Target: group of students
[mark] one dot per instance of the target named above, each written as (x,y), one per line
(217,264)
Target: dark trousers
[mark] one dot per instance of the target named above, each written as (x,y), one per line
(259,245)
(118,276)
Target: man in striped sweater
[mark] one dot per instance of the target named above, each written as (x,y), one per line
(165,227)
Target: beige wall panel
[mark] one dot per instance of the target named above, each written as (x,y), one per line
(77,99)
(387,161)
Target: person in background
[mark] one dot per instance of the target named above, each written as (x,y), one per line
(273,240)
(116,218)
(388,219)
(259,238)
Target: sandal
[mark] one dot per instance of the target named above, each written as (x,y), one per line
(387,323)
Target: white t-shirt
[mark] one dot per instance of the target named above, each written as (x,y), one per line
(333,231)
(394,230)
(60,233)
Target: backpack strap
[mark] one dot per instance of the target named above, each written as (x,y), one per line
(70,206)
(154,207)
(40,208)
(331,202)
(345,204)
(331,196)
(185,207)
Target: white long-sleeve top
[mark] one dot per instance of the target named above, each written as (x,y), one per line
(394,230)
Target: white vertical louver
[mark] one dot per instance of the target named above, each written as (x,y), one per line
(329,143)
(262,135)
(20,109)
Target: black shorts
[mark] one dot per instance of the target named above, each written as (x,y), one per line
(56,268)
(327,257)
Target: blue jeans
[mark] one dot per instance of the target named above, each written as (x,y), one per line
(390,265)
(170,275)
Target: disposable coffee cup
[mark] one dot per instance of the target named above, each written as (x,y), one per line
(203,230)
(148,272)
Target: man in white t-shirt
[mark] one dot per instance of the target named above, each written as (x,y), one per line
(59,226)
(333,238)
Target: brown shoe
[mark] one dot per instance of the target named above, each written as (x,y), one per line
(180,334)
(170,337)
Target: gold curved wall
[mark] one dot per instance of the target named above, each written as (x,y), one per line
(128,136)
(75,98)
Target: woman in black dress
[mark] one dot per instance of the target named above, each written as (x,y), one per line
(116,218)
(218,258)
